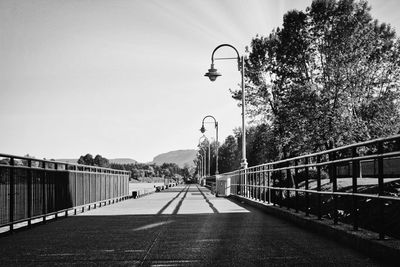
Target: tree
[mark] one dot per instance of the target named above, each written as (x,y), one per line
(261,145)
(86,160)
(213,148)
(101,162)
(329,77)
(229,157)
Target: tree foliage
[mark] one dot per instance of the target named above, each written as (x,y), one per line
(166,170)
(98,161)
(229,158)
(86,160)
(330,76)
(101,162)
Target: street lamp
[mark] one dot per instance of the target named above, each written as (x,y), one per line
(212,74)
(202,130)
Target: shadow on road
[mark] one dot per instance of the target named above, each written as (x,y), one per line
(207,200)
(177,238)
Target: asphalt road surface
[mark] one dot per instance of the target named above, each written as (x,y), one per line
(181,226)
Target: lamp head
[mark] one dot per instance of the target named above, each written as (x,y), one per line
(202,129)
(212,73)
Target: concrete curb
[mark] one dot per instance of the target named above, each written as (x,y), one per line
(365,241)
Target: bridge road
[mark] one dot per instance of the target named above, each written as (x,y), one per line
(181,226)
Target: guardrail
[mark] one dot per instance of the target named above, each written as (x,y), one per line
(32,188)
(317,184)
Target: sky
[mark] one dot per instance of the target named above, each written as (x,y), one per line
(125,78)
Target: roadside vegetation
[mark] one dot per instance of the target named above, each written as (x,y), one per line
(330,76)
(141,172)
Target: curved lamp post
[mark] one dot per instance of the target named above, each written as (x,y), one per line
(212,74)
(202,130)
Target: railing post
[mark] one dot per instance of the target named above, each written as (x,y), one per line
(242,190)
(83,185)
(251,183)
(381,192)
(254,183)
(355,173)
(319,213)
(334,189)
(264,184)
(269,184)
(280,190)
(56,184)
(75,169)
(12,195)
(306,161)
(246,190)
(44,191)
(288,178)
(30,178)
(296,193)
(250,179)
(90,185)
(259,174)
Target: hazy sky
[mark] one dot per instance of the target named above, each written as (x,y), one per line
(124,78)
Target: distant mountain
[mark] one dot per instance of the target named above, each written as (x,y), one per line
(123,161)
(180,157)
(117,161)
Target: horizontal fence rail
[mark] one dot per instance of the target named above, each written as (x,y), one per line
(357,184)
(30,188)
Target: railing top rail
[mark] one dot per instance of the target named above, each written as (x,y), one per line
(369,142)
(61,162)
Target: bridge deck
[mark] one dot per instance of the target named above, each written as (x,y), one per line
(185,225)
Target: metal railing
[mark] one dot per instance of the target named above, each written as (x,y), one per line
(358,184)
(32,188)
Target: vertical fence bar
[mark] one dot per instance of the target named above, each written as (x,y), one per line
(90,185)
(281,172)
(243,191)
(355,173)
(334,189)
(11,193)
(250,182)
(44,191)
(288,178)
(306,161)
(259,184)
(269,183)
(264,184)
(296,193)
(30,178)
(319,213)
(254,183)
(246,193)
(250,179)
(75,168)
(54,189)
(381,192)
(83,185)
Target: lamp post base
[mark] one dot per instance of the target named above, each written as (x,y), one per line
(243,164)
